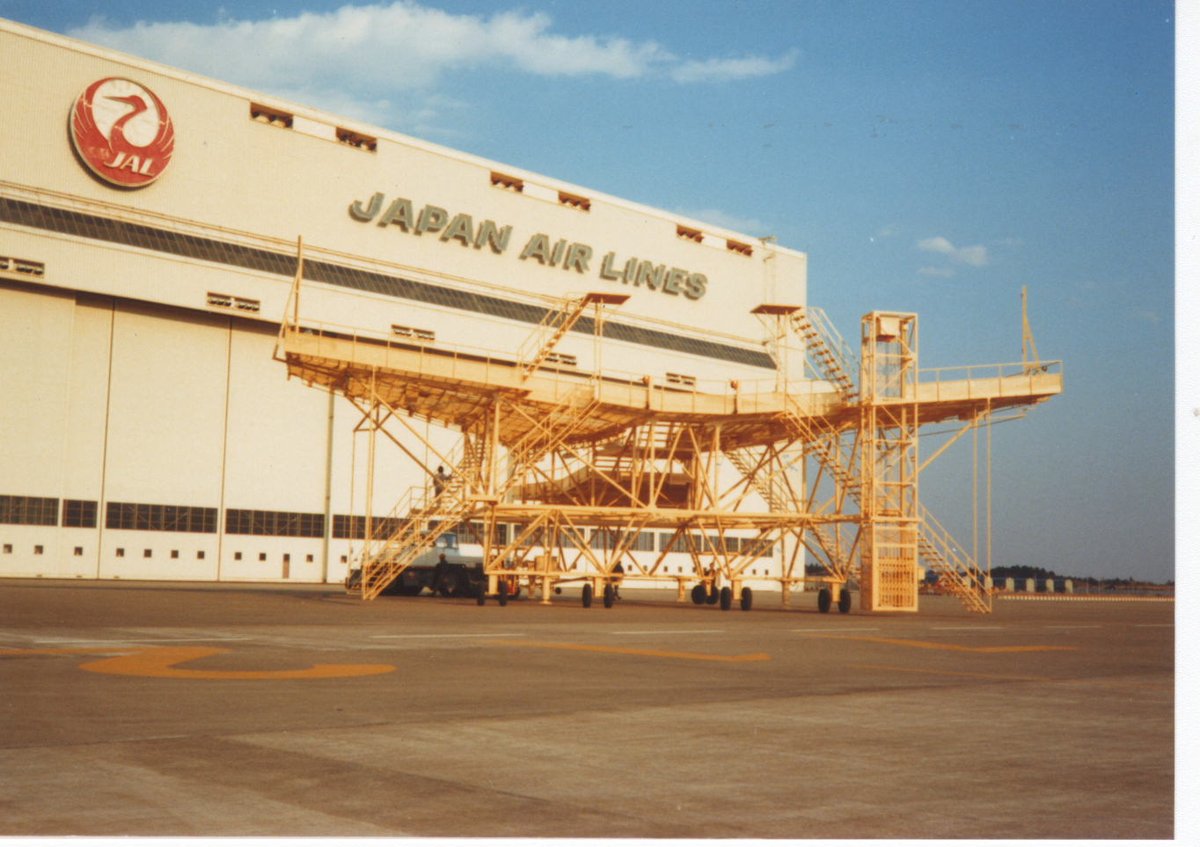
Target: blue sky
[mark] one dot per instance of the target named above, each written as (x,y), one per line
(929,156)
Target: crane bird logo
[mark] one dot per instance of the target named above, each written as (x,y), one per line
(122,132)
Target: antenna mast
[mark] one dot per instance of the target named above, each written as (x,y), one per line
(1028,345)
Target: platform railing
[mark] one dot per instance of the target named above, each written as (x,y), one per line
(994,380)
(464,362)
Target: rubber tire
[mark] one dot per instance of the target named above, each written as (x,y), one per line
(844,601)
(587,597)
(481,595)
(824,600)
(699,594)
(713,596)
(726,598)
(610,596)
(502,593)
(747,599)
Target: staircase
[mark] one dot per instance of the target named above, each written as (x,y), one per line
(779,499)
(957,570)
(828,352)
(771,489)
(937,548)
(819,437)
(545,337)
(549,431)
(422,520)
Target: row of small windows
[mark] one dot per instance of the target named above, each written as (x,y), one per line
(22,267)
(258,522)
(82,225)
(45,511)
(226,301)
(285,120)
(159,518)
(584,204)
(148,553)
(32,511)
(414,333)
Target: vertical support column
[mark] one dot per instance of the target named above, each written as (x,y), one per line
(889,468)
(368,528)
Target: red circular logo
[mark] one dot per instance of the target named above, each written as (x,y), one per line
(122,132)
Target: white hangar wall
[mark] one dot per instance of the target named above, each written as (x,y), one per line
(146,432)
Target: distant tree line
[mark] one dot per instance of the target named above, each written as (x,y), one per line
(1024,572)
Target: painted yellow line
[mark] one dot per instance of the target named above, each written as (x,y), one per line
(61,651)
(956,648)
(160,662)
(633,651)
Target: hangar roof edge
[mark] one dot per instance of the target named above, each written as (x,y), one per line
(768,243)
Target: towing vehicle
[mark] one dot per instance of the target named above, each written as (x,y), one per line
(448,568)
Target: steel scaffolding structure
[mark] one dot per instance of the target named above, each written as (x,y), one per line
(550,459)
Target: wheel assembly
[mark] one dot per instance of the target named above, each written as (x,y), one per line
(587,597)
(844,601)
(502,593)
(713,596)
(824,600)
(699,595)
(747,599)
(610,596)
(726,598)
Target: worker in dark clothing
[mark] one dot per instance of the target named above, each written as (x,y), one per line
(618,575)
(439,481)
(440,574)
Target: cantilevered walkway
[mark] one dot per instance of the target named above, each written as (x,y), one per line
(823,467)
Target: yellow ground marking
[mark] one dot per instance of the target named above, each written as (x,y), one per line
(161,661)
(60,651)
(633,651)
(956,648)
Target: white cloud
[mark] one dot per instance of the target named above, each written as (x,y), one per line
(711,70)
(355,58)
(976,255)
(943,273)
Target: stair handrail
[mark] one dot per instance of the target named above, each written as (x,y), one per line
(815,435)
(558,320)
(960,567)
(844,363)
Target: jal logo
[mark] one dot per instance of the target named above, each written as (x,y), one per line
(122,132)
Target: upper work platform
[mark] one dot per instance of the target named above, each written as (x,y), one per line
(457,389)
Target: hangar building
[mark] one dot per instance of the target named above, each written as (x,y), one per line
(146,431)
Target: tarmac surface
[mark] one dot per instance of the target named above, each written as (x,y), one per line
(180,709)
